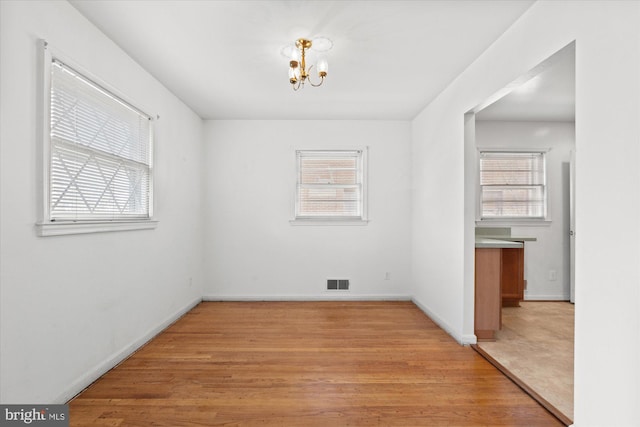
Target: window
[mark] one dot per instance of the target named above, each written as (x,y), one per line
(513,185)
(330,185)
(98,152)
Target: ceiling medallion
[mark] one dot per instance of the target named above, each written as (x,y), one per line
(298,71)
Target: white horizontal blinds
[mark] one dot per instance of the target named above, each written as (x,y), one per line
(330,184)
(100,152)
(512,185)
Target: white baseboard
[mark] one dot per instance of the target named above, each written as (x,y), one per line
(468,339)
(337,296)
(462,339)
(546,297)
(88,378)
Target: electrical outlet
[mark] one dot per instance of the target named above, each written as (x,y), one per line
(553,275)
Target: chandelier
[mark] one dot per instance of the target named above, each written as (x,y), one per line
(299,74)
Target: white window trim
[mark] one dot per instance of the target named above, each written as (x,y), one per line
(329,222)
(334,221)
(500,222)
(84,227)
(44,226)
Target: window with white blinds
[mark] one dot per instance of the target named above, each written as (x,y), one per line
(330,185)
(100,152)
(513,185)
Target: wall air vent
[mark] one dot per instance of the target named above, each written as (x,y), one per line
(337,284)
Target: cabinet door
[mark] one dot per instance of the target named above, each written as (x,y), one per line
(487,317)
(512,276)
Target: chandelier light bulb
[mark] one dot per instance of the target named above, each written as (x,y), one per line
(293,77)
(294,55)
(323,67)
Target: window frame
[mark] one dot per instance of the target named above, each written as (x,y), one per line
(362,173)
(510,220)
(45,225)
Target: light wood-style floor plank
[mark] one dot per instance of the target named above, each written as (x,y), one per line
(536,346)
(305,364)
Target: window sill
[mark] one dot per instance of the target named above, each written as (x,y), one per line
(62,228)
(513,222)
(329,221)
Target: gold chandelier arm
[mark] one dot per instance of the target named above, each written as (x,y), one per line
(319,84)
(309,78)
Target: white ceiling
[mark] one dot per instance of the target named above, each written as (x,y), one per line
(222,58)
(546,94)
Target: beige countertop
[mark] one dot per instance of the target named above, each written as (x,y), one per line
(508,238)
(485,242)
(499,237)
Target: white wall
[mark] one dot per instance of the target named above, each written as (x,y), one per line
(551,249)
(253,252)
(607,343)
(72,306)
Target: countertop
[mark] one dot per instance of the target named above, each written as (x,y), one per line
(485,242)
(499,237)
(507,238)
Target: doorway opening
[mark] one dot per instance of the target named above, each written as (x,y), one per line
(534,342)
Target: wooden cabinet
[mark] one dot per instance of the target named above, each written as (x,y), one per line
(499,282)
(512,276)
(488,311)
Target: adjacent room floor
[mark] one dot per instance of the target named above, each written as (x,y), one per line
(306,364)
(536,346)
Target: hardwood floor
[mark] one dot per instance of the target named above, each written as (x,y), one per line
(305,364)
